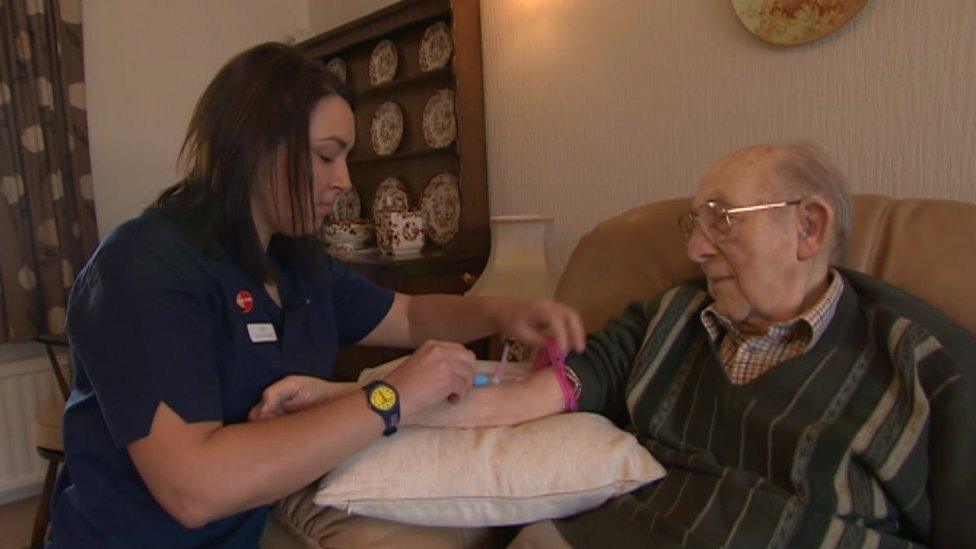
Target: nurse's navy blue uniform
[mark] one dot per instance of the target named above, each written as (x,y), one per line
(151,319)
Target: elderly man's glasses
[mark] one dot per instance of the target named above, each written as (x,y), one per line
(716,220)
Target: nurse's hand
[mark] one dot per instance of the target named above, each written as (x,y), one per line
(436,372)
(531,321)
(295,393)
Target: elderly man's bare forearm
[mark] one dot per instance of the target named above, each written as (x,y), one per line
(510,403)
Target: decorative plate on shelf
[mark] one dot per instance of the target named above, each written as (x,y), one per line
(337,67)
(391,195)
(792,22)
(440,123)
(436,47)
(346,206)
(441,205)
(383,63)
(386,130)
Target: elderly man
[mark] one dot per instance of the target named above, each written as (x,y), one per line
(793,404)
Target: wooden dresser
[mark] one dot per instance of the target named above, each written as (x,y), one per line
(448,269)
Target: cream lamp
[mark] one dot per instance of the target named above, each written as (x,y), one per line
(518,265)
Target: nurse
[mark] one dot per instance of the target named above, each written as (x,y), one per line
(185,314)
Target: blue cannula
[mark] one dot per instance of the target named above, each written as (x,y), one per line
(483,380)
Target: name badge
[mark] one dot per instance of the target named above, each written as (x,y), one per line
(261,332)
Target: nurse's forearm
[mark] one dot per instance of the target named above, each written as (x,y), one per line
(450,318)
(412,320)
(465,319)
(200,472)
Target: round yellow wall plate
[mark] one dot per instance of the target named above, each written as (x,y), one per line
(792,22)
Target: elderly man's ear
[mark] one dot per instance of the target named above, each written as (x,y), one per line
(815,224)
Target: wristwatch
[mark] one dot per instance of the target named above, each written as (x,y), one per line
(385,401)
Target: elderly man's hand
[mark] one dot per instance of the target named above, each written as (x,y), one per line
(532,321)
(295,393)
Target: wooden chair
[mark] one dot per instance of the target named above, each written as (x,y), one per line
(48,433)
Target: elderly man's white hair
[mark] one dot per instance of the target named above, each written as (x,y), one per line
(806,169)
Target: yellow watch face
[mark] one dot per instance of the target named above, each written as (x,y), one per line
(382,398)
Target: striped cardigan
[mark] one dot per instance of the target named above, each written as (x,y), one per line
(867,439)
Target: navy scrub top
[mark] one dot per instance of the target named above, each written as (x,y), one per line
(153,319)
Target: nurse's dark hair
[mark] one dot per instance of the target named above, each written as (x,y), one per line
(258,103)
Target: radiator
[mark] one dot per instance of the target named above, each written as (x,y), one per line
(26,387)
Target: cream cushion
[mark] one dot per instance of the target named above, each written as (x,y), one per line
(491,476)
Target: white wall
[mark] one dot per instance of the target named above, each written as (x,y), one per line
(146,63)
(591,110)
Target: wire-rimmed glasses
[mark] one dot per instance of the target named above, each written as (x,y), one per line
(715,218)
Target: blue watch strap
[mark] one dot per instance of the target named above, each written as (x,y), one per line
(390,413)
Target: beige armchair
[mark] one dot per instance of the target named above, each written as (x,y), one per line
(926,247)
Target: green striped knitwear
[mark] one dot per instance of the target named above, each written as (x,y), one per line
(865,440)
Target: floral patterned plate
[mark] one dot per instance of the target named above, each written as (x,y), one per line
(346,206)
(337,67)
(792,22)
(439,123)
(390,196)
(383,63)
(386,130)
(441,205)
(436,47)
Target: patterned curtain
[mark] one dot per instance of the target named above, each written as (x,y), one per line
(47,217)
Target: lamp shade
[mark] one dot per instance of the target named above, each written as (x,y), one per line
(518,265)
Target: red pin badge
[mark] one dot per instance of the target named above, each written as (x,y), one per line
(245,301)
